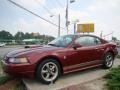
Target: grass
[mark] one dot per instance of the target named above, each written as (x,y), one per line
(19,86)
(0,66)
(118,56)
(113,79)
(5,78)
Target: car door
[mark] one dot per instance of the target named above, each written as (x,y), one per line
(88,53)
(100,48)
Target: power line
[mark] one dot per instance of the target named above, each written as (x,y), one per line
(3,27)
(46,9)
(18,5)
(59,3)
(54,6)
(108,34)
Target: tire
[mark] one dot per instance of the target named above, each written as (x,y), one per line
(108,60)
(48,71)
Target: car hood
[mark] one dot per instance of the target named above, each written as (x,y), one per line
(40,49)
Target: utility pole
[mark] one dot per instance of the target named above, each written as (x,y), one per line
(101,34)
(67,16)
(67,13)
(74,27)
(59,25)
(75,22)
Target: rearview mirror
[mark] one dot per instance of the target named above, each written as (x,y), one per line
(75,46)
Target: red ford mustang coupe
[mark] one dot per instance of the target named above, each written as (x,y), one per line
(63,55)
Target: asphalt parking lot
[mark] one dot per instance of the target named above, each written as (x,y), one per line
(6,49)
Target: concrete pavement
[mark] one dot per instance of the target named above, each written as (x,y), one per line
(70,79)
(118,51)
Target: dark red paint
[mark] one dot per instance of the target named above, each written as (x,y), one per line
(69,58)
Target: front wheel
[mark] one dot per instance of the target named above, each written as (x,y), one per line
(48,71)
(108,60)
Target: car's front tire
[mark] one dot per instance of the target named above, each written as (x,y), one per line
(108,60)
(48,71)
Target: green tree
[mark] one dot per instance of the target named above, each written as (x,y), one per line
(5,35)
(27,36)
(114,38)
(19,36)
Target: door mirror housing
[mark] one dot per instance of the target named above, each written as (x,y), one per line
(76,45)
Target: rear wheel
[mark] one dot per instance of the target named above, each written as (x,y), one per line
(48,71)
(108,60)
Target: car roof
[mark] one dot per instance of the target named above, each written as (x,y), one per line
(78,35)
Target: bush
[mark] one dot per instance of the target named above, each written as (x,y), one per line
(118,56)
(4,79)
(19,86)
(1,63)
(113,79)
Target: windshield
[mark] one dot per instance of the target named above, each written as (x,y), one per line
(62,41)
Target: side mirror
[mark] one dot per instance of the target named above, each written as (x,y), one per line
(75,46)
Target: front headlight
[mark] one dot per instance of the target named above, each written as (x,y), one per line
(18,60)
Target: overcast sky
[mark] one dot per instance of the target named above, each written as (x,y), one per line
(105,14)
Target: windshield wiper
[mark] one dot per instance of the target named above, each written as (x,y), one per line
(53,45)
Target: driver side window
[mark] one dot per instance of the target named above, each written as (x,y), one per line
(85,41)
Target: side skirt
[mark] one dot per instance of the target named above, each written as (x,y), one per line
(88,67)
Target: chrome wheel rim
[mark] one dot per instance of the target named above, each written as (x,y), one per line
(49,71)
(109,60)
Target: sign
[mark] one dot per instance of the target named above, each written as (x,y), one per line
(35,34)
(85,28)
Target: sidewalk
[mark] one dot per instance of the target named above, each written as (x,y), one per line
(97,84)
(70,80)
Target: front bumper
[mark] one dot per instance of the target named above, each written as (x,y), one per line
(19,70)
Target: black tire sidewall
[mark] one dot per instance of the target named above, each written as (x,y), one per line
(38,72)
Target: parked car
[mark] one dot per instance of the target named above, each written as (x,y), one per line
(2,44)
(63,55)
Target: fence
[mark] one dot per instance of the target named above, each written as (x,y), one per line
(25,41)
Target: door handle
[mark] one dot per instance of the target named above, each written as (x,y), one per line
(102,49)
(96,48)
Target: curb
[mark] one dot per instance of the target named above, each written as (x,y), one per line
(25,84)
